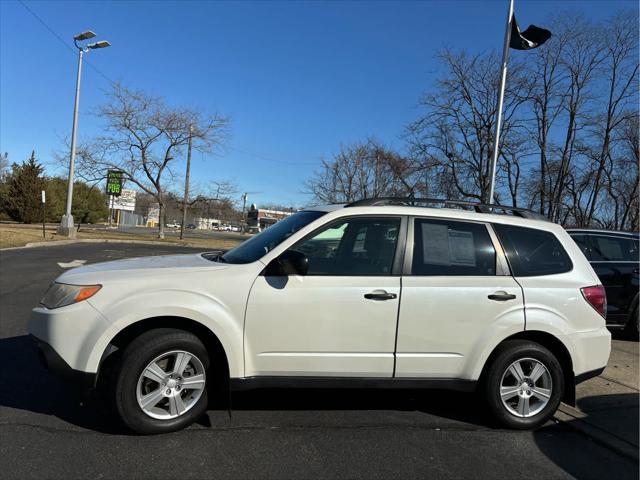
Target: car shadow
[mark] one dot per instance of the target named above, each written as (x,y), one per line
(457,406)
(616,414)
(27,385)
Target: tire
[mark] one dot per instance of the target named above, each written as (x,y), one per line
(512,412)
(177,405)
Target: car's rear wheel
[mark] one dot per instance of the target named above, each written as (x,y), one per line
(524,384)
(161,381)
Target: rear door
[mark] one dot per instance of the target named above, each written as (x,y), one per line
(457,294)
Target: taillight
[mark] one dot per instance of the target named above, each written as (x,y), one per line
(596,297)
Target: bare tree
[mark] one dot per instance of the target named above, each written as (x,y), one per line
(568,107)
(363,170)
(455,133)
(620,74)
(144,137)
(547,101)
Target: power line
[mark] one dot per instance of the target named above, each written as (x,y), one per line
(63,41)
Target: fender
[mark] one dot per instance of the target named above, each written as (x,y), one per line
(222,320)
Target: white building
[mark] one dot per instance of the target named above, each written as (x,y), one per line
(202,223)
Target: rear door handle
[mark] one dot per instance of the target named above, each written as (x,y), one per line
(501,296)
(380,295)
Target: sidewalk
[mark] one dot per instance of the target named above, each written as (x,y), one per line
(607,406)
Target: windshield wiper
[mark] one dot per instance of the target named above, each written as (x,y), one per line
(214,257)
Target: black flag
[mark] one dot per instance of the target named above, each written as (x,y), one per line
(532,37)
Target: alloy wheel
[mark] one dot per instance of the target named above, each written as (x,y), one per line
(526,387)
(170,385)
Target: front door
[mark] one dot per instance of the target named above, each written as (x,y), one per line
(340,318)
(457,296)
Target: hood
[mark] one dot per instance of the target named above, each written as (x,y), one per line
(138,267)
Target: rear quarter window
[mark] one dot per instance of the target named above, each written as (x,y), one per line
(533,252)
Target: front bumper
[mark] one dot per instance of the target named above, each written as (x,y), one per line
(71,333)
(56,365)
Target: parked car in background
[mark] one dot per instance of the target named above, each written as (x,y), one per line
(191,226)
(378,293)
(172,225)
(615,257)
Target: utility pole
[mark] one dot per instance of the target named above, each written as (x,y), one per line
(186,185)
(244,204)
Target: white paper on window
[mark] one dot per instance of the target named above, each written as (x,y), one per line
(442,246)
(435,244)
(462,248)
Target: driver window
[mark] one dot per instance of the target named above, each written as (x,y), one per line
(355,246)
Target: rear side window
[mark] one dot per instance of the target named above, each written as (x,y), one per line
(532,252)
(443,247)
(614,249)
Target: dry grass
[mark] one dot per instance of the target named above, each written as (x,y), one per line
(12,235)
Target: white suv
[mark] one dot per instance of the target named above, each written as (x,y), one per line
(378,293)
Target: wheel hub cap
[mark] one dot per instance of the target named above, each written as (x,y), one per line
(171,383)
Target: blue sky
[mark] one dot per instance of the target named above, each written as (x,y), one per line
(296,78)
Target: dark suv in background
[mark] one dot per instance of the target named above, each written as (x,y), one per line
(615,258)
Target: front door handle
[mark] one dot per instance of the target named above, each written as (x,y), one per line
(380,295)
(501,296)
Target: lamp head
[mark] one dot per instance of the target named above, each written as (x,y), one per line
(84,36)
(100,44)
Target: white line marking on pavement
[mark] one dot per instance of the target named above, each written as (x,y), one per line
(75,263)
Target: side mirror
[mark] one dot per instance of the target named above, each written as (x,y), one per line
(290,262)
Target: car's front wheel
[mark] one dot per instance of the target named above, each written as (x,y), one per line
(524,384)
(161,381)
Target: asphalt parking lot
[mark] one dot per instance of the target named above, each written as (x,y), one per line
(48,431)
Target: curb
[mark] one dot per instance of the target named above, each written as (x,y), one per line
(578,421)
(104,240)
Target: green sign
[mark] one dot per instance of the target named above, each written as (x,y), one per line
(114,183)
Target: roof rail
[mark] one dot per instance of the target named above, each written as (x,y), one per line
(478,207)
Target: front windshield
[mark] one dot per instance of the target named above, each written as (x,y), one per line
(257,246)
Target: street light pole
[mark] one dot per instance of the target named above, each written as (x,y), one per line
(67,227)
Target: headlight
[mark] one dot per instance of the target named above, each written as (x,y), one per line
(62,294)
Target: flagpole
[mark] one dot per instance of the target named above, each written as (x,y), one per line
(503,81)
